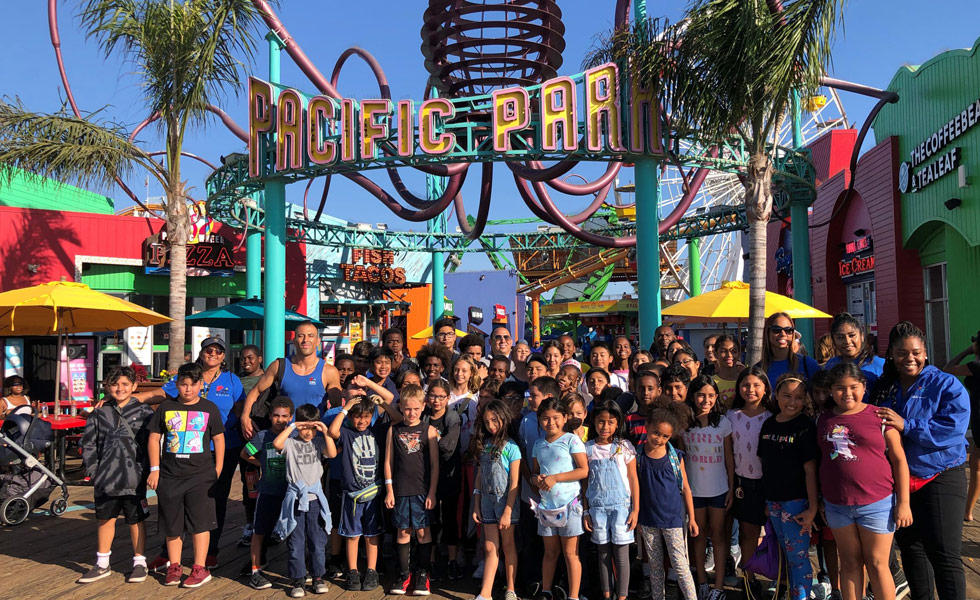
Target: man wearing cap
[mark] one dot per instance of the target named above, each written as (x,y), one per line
(304,377)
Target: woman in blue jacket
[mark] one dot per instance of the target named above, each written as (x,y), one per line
(932,410)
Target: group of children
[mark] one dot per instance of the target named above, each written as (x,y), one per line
(669,456)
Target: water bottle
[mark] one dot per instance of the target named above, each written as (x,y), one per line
(74,407)
(44,409)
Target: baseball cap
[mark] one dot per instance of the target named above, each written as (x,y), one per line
(214,341)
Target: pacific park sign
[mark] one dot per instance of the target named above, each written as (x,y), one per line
(595,114)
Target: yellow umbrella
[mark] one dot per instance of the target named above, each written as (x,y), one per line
(61,307)
(427,333)
(730,302)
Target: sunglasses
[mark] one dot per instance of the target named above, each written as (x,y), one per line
(500,338)
(775,329)
(213,350)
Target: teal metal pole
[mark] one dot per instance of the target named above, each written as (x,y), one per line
(275,243)
(800,222)
(253,265)
(434,186)
(694,265)
(647,174)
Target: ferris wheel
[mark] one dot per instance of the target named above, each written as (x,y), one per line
(721,254)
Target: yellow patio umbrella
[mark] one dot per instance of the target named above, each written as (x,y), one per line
(427,333)
(730,303)
(62,307)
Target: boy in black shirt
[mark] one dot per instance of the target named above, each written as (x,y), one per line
(185,473)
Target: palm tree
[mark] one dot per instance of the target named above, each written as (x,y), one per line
(727,73)
(186,54)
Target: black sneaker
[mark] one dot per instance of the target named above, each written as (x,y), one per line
(258,581)
(421,587)
(297,589)
(402,585)
(334,569)
(94,574)
(543,595)
(353,581)
(370,581)
(138,574)
(901,585)
(646,588)
(320,586)
(454,570)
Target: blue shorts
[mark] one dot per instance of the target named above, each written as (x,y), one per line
(267,508)
(710,501)
(492,508)
(877,517)
(410,512)
(609,524)
(362,518)
(573,528)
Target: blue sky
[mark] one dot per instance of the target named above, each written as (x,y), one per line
(879,36)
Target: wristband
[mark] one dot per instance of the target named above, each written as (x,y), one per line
(388,482)
(343,411)
(154,469)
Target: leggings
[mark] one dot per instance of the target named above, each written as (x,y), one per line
(795,543)
(620,554)
(931,546)
(249,502)
(676,540)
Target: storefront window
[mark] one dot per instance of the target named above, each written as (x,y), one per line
(937,314)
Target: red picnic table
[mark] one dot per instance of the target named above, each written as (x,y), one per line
(61,424)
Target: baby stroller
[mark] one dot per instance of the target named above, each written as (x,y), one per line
(25,483)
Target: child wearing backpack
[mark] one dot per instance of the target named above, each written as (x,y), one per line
(666,506)
(411,477)
(114,453)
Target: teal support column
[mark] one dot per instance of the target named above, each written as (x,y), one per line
(275,243)
(647,175)
(253,265)
(800,221)
(694,265)
(434,187)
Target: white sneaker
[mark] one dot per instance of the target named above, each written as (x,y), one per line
(478,573)
(709,561)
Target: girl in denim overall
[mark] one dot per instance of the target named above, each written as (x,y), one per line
(611,497)
(497,487)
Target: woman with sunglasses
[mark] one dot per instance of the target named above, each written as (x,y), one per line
(14,395)
(777,350)
(224,389)
(971,372)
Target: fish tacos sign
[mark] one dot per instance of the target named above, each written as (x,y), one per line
(596,114)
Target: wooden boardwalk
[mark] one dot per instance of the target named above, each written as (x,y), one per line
(42,558)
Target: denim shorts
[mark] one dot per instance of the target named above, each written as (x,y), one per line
(710,501)
(410,512)
(877,517)
(609,524)
(492,508)
(571,529)
(361,518)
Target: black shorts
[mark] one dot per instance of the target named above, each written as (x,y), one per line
(335,501)
(750,501)
(134,508)
(186,505)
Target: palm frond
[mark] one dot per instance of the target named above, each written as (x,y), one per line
(64,147)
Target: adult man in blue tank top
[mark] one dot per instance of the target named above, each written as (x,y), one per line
(304,377)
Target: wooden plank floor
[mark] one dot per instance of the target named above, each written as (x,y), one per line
(42,558)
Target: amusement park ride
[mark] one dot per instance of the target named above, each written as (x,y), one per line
(494,94)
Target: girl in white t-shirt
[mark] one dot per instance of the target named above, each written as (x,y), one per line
(710,466)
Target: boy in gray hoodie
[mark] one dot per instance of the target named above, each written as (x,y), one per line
(115,458)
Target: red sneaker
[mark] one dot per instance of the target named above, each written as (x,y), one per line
(402,585)
(211,562)
(158,564)
(173,574)
(198,577)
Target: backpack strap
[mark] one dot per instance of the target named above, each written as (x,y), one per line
(121,419)
(675,465)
